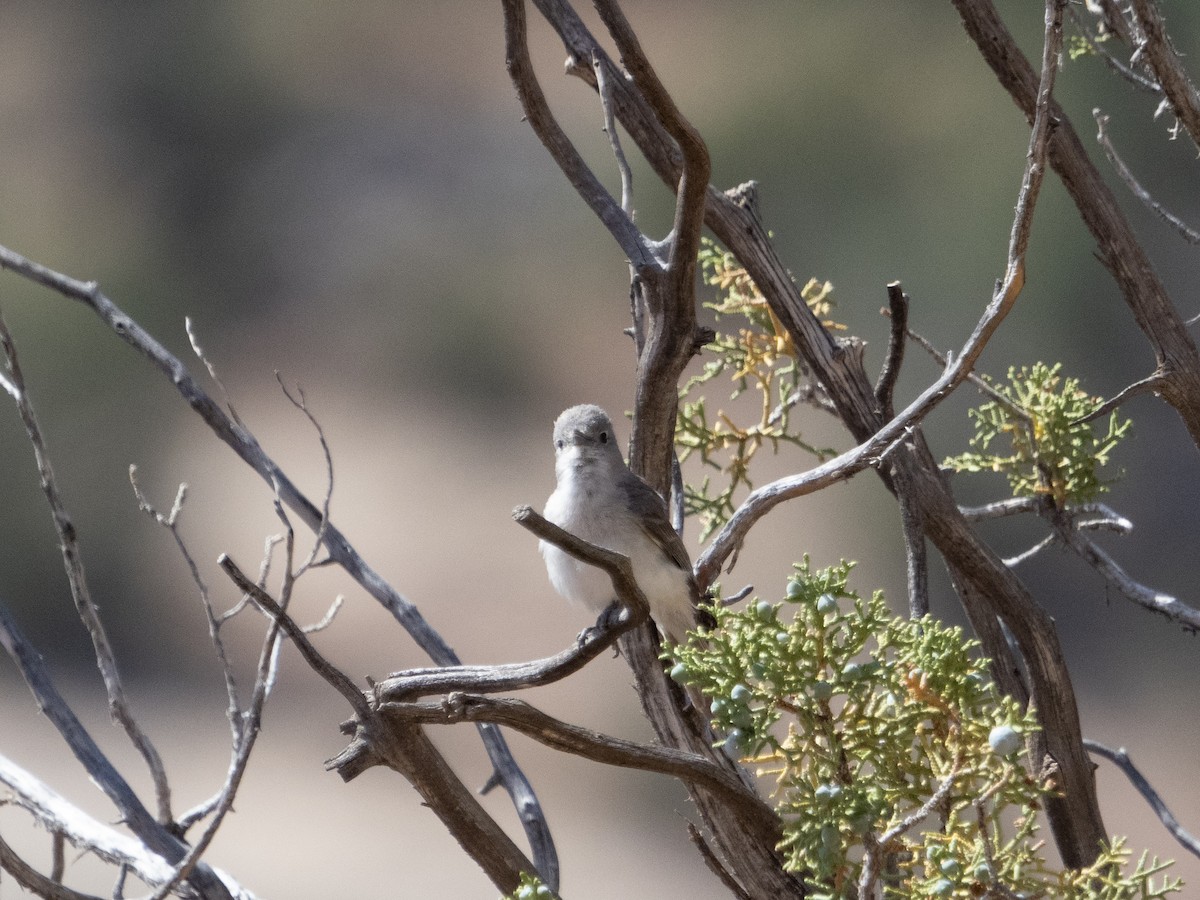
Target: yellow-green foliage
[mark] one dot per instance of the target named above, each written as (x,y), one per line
(1031,437)
(756,356)
(861,718)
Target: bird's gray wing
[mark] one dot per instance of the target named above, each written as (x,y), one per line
(650,510)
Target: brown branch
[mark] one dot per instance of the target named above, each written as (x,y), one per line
(1148,385)
(33,880)
(407,750)
(493,679)
(332,675)
(537,113)
(1164,62)
(690,768)
(1187,617)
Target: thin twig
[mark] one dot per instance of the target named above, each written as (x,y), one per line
(337,679)
(118,703)
(715,865)
(1148,385)
(34,881)
(1188,233)
(1014,561)
(152,833)
(1121,759)
(1134,77)
(1164,62)
(604,87)
(693,179)
(246,731)
(636,247)
(1187,617)
(242,442)
(998,509)
(171,523)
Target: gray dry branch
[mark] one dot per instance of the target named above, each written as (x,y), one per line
(506,772)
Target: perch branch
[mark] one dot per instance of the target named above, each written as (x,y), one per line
(515,676)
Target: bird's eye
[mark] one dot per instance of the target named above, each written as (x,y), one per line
(559,444)
(604,437)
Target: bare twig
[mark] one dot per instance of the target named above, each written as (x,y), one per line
(1187,617)
(716,866)
(1014,561)
(916,557)
(1164,62)
(1148,385)
(249,723)
(584,742)
(242,442)
(1011,506)
(636,247)
(1121,759)
(106,661)
(1134,77)
(152,833)
(1187,233)
(33,880)
(984,386)
(614,139)
(171,523)
(334,676)
(58,815)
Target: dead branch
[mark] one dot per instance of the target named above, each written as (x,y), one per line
(506,771)
(1162,59)
(1120,758)
(153,834)
(118,703)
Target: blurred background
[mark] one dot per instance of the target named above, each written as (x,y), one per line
(345,194)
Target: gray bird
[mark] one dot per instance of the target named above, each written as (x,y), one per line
(598,499)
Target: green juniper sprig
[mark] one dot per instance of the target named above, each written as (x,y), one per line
(889,748)
(1038,434)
